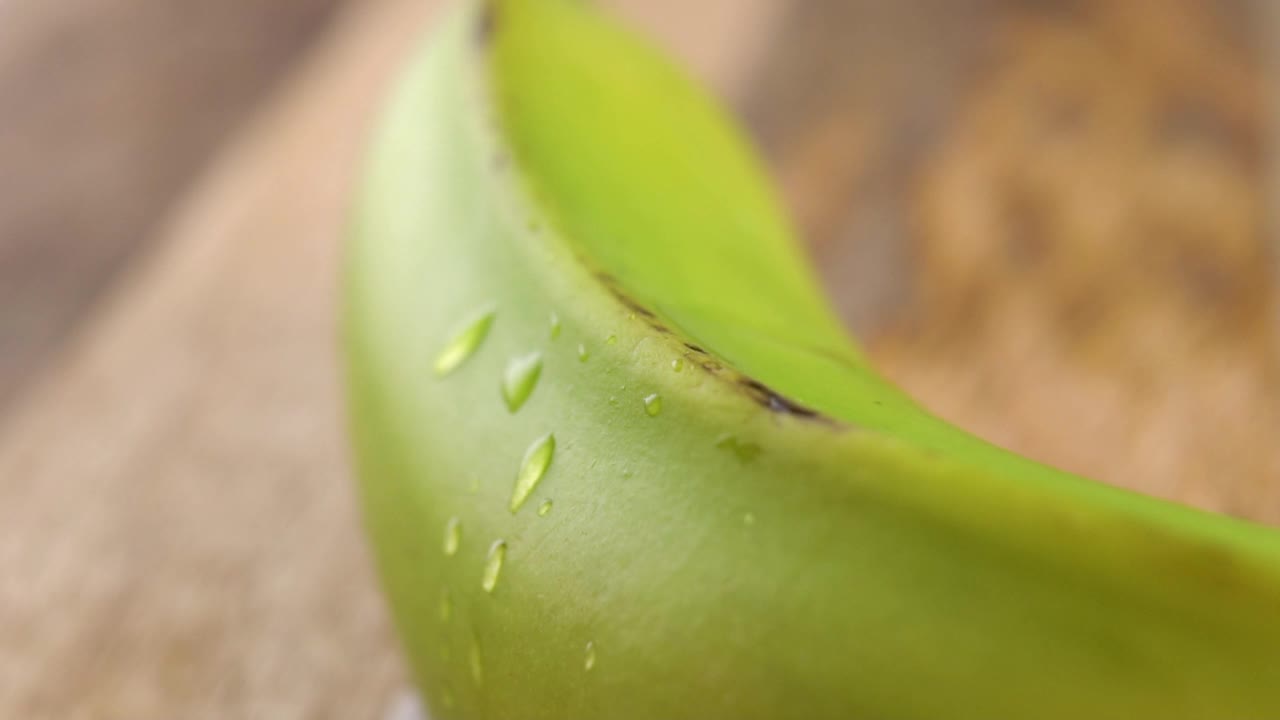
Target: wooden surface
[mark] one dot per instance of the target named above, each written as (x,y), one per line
(1046,218)
(107,109)
(178,538)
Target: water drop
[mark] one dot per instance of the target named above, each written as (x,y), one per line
(589,661)
(536,461)
(520,378)
(493,565)
(544,508)
(555,326)
(474,487)
(653,405)
(452,535)
(446,698)
(476,663)
(631,316)
(446,605)
(611,340)
(749,519)
(582,353)
(464,343)
(745,451)
(677,364)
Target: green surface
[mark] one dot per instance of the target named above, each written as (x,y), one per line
(770,531)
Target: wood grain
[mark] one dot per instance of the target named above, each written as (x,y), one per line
(177,536)
(108,108)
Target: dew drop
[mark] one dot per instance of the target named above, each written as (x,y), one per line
(555,326)
(589,660)
(476,663)
(653,405)
(749,519)
(464,343)
(631,316)
(544,508)
(536,461)
(582,353)
(520,378)
(493,565)
(446,605)
(452,535)
(677,364)
(611,340)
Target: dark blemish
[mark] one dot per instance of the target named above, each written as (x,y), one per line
(644,312)
(779,404)
(758,391)
(773,401)
(487,23)
(634,306)
(501,159)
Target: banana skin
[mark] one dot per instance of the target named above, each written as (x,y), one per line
(705,504)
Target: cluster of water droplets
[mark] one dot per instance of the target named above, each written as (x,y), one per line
(518,382)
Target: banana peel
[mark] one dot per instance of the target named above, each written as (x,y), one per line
(619,459)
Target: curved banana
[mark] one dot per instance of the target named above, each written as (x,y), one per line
(619,460)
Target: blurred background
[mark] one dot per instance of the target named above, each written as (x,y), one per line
(1053,221)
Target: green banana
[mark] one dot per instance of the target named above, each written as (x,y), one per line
(619,459)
